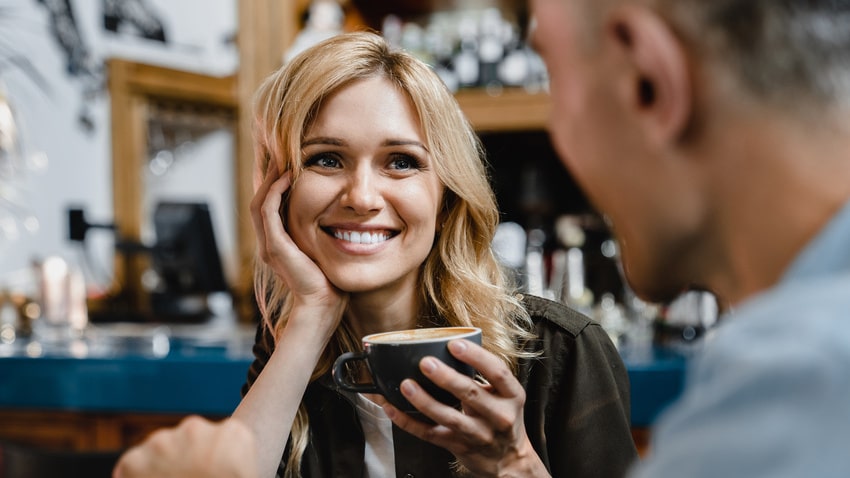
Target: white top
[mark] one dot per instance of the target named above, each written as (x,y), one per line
(378,432)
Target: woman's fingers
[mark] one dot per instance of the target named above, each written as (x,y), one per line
(257,208)
(276,237)
(491,367)
(497,405)
(273,242)
(488,410)
(450,422)
(262,188)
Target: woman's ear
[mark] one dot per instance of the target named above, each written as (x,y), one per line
(657,86)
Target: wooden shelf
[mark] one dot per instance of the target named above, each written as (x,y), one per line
(82,431)
(167,83)
(511,110)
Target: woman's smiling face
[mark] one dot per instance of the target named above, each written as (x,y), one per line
(365,207)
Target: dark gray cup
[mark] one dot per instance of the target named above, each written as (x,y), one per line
(392,357)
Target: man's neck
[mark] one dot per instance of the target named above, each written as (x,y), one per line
(779,184)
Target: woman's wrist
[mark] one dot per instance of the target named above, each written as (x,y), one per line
(526,463)
(311,324)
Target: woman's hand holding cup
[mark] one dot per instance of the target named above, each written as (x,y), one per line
(487,434)
(393,357)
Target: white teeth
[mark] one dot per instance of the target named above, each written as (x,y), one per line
(361,237)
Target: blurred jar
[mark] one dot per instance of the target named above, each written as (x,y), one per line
(62,299)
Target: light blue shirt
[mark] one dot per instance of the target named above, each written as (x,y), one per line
(769,394)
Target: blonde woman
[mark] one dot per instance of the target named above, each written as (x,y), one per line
(373,212)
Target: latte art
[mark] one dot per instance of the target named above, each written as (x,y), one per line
(414,335)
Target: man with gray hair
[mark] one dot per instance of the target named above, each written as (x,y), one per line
(715,136)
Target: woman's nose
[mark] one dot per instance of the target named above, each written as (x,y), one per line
(362,193)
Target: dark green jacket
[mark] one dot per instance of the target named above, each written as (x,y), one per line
(576,409)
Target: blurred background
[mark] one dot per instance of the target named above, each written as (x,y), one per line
(115,106)
(125,176)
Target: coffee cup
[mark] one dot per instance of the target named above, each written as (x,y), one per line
(392,357)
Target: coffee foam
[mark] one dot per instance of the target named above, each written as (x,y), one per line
(421,335)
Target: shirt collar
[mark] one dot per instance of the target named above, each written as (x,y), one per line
(828,253)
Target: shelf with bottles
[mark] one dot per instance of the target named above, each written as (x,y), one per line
(479,50)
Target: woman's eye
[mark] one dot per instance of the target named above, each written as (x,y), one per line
(322,160)
(404,162)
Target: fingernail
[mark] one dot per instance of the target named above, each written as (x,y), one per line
(428,365)
(389,411)
(407,388)
(458,346)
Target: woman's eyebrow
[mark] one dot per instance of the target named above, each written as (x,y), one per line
(323,140)
(404,142)
(326,140)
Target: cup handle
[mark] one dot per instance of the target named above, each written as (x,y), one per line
(341,377)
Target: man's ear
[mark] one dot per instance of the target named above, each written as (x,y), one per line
(658,84)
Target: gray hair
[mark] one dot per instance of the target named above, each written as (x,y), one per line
(781,50)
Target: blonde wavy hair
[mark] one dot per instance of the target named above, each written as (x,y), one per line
(461,281)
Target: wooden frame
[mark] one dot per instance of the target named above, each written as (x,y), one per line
(266,27)
(133,88)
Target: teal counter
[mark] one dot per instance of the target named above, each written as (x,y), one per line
(192,373)
(657,377)
(175,384)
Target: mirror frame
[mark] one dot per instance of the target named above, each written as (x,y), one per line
(266,27)
(134,88)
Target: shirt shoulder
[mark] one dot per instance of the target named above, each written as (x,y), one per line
(548,314)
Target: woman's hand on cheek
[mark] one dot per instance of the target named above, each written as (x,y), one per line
(488,435)
(304,278)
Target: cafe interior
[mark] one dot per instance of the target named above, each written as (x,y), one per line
(126,246)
